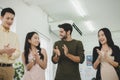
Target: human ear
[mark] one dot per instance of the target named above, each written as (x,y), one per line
(68,32)
(29,40)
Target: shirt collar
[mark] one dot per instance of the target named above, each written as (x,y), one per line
(3,29)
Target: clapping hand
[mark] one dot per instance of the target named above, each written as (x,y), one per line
(56,51)
(37,57)
(65,49)
(8,50)
(99,53)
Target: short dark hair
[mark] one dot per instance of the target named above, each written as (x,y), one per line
(10,10)
(66,27)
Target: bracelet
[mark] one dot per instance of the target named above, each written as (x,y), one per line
(33,60)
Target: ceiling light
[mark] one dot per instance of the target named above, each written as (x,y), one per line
(89,26)
(78,8)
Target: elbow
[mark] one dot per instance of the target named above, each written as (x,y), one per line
(94,67)
(116,65)
(55,61)
(44,67)
(28,68)
(81,61)
(78,61)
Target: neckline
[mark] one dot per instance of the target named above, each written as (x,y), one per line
(68,41)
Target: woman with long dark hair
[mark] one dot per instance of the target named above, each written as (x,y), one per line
(106,57)
(34,58)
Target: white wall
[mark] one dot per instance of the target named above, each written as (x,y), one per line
(28,17)
(89,42)
(31,18)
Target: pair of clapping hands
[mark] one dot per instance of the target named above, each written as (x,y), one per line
(9,50)
(57,51)
(106,57)
(36,57)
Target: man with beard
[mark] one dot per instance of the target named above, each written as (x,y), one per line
(67,53)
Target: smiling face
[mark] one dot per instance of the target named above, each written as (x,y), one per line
(102,38)
(62,33)
(7,20)
(34,41)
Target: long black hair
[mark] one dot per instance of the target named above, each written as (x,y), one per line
(27,46)
(108,36)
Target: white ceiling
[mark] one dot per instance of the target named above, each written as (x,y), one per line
(103,13)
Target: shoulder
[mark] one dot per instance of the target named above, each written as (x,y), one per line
(58,42)
(13,33)
(43,51)
(96,47)
(77,41)
(116,47)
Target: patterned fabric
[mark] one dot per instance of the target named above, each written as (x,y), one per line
(8,37)
(35,73)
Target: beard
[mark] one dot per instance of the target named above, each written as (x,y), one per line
(64,37)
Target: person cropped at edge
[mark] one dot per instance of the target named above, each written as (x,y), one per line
(106,57)
(9,45)
(67,53)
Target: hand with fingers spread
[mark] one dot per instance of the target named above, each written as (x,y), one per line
(65,49)
(6,46)
(8,50)
(107,58)
(100,54)
(37,58)
(56,51)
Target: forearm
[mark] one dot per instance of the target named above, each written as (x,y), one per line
(43,64)
(30,65)
(17,52)
(96,63)
(15,55)
(55,58)
(73,58)
(2,51)
(112,62)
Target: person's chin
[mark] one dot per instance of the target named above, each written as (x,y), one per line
(8,26)
(102,43)
(61,37)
